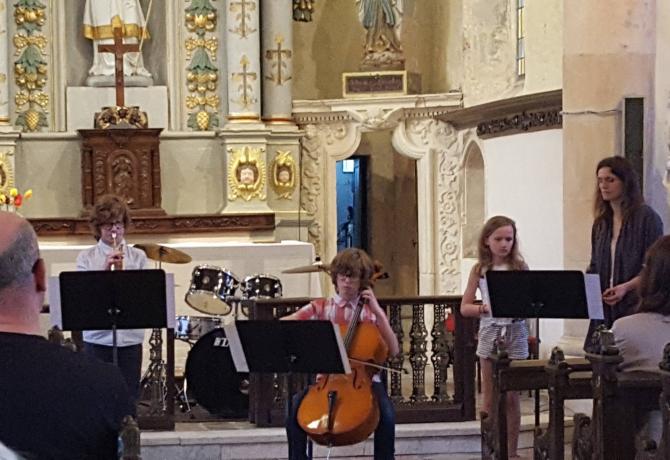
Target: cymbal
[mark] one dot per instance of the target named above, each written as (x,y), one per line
(317,267)
(164,254)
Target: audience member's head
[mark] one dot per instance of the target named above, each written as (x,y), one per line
(22,276)
(655,279)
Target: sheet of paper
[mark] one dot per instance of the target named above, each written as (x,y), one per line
(53,289)
(236,350)
(169,301)
(594,297)
(484,291)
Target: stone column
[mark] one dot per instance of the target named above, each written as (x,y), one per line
(8,134)
(611,49)
(243,58)
(4,63)
(277,55)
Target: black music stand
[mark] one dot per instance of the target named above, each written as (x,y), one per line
(112,300)
(271,346)
(559,294)
(537,294)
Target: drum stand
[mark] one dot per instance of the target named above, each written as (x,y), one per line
(155,381)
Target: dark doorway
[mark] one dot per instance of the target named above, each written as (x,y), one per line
(351,203)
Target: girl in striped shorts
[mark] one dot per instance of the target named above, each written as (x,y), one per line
(498,250)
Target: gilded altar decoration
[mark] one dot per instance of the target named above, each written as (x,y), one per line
(278,57)
(202,76)
(30,69)
(121,117)
(303,10)
(283,174)
(246,173)
(6,172)
(241,10)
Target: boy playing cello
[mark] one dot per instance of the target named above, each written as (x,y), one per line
(351,272)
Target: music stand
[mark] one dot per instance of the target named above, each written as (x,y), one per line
(538,294)
(112,300)
(541,294)
(271,346)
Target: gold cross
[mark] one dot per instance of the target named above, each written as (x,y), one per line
(243,29)
(276,56)
(246,78)
(119,49)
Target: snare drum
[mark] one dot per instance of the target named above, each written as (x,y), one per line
(194,327)
(210,287)
(261,286)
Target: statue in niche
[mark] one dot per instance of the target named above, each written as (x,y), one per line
(382,20)
(100,19)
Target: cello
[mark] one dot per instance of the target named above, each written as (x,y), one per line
(341,409)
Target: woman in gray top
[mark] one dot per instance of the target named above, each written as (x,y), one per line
(642,336)
(623,229)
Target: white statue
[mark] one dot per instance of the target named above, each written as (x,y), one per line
(382,20)
(100,18)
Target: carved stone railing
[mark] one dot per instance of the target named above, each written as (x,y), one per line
(430,397)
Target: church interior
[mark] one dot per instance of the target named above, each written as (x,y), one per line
(261,136)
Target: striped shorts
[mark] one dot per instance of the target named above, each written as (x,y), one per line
(513,337)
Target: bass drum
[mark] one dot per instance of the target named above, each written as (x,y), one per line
(212,378)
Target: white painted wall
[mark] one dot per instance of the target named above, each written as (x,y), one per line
(524,181)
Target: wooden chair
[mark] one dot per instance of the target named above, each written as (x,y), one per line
(508,375)
(617,398)
(566,379)
(647,449)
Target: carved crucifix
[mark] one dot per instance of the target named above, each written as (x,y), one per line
(279,55)
(119,49)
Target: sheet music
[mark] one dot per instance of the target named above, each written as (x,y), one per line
(169,301)
(594,297)
(484,290)
(235,346)
(53,290)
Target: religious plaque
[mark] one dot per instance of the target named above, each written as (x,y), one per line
(381,83)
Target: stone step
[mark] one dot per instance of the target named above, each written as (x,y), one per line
(426,441)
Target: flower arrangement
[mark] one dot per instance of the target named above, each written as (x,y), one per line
(14,200)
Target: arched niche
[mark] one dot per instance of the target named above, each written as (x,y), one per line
(474,200)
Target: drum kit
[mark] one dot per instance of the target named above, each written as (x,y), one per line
(210,373)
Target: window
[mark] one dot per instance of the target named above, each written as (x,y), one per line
(520,38)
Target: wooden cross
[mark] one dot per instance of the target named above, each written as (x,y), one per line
(119,49)
(278,53)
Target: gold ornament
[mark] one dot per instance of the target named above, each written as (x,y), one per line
(246,173)
(283,174)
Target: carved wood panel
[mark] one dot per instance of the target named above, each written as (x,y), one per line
(125,162)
